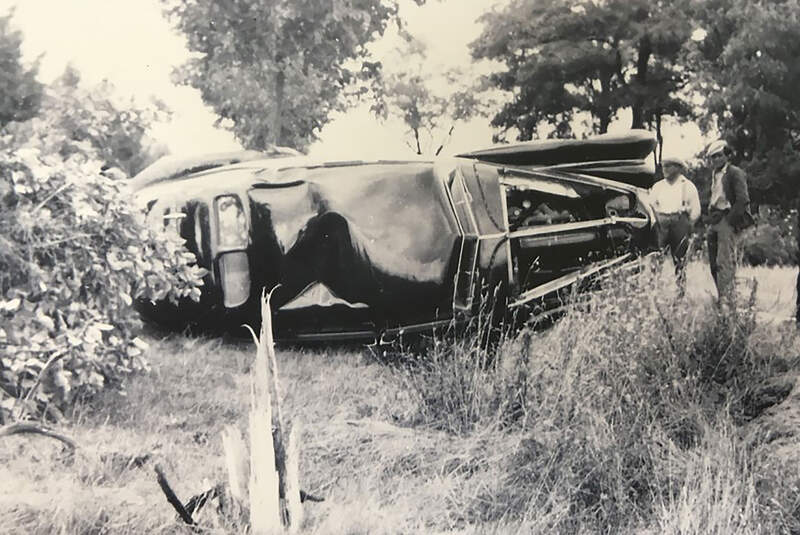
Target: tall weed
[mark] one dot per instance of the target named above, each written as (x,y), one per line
(629,373)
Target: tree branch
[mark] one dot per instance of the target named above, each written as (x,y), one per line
(53,194)
(58,355)
(171,497)
(29,428)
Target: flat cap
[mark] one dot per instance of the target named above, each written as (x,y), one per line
(673,160)
(717,146)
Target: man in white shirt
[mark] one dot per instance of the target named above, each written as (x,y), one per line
(677,206)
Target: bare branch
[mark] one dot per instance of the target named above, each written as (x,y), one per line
(171,497)
(29,428)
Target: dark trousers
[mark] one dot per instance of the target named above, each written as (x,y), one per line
(674,231)
(723,258)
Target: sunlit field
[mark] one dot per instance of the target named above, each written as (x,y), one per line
(775,296)
(634,413)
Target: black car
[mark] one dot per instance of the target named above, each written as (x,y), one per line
(367,249)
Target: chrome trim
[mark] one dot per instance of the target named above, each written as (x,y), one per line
(530,242)
(599,163)
(412,329)
(472,233)
(565,280)
(504,234)
(577,225)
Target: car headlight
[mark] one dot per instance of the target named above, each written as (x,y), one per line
(231,224)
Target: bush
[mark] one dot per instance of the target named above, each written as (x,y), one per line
(74,253)
(773,241)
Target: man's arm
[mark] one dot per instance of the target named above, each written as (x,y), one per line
(738,182)
(694,202)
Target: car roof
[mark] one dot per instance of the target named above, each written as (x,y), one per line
(633,144)
(171,168)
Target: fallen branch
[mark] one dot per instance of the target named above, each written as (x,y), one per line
(58,355)
(196,503)
(306,497)
(171,497)
(33,429)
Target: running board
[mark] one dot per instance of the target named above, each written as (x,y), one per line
(566,280)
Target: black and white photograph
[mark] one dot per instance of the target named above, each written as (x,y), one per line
(399,266)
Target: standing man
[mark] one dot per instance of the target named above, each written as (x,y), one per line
(677,207)
(728,214)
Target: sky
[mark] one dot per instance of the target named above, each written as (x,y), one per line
(131,44)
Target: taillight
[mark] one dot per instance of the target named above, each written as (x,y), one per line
(235,278)
(231,223)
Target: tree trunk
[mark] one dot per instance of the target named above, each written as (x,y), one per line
(604,112)
(275,136)
(605,120)
(640,82)
(659,139)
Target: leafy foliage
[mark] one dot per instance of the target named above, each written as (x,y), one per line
(93,119)
(275,70)
(74,253)
(748,73)
(565,60)
(20,92)
(773,240)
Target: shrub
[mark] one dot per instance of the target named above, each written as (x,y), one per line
(74,253)
(773,241)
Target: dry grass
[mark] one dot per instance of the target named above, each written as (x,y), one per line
(607,422)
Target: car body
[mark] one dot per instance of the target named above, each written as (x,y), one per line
(376,248)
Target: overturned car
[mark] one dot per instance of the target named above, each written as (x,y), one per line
(369,249)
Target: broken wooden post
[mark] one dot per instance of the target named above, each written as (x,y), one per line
(263,482)
(238,468)
(274,484)
(265,513)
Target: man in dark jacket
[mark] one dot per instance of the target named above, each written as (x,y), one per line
(728,214)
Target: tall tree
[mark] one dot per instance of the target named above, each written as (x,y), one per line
(274,70)
(407,95)
(426,100)
(421,110)
(20,92)
(748,74)
(569,58)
